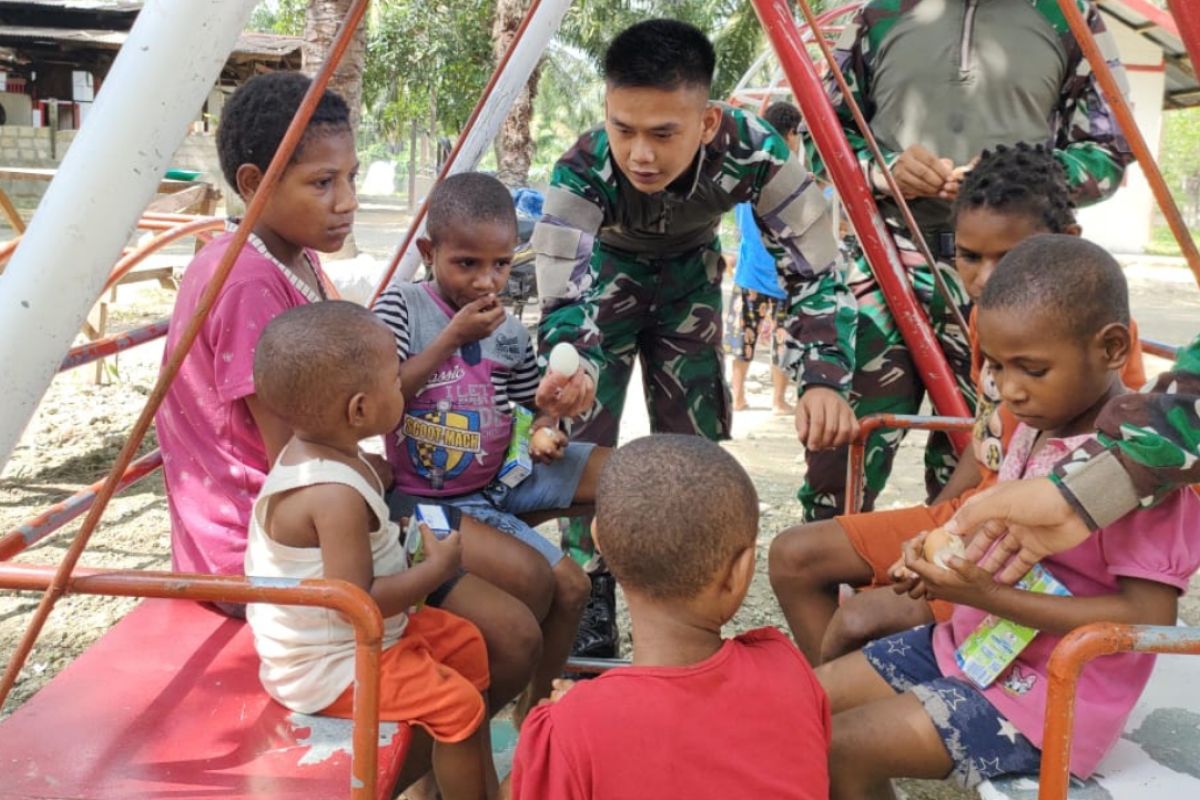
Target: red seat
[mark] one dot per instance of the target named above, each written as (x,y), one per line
(168,704)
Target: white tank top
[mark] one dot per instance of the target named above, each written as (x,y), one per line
(307,653)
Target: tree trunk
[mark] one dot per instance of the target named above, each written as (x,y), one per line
(514,144)
(322,20)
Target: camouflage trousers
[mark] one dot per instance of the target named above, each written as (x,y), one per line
(886,381)
(666,313)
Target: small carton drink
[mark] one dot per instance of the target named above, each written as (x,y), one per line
(517,464)
(997,642)
(439,525)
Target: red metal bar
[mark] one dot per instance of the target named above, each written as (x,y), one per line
(1137,143)
(102,348)
(61,513)
(1187,20)
(141,252)
(1161,349)
(341,596)
(282,158)
(1066,662)
(462,137)
(855,472)
(859,202)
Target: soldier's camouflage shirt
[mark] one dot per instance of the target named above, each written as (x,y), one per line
(592,206)
(957,76)
(1149,445)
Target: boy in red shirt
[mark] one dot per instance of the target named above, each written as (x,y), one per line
(697,715)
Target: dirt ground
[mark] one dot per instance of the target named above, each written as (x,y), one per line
(80,427)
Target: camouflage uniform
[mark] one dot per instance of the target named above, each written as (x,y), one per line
(624,274)
(1149,446)
(941,81)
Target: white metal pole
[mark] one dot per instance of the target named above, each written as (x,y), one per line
(156,86)
(529,50)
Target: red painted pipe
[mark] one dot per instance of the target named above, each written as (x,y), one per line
(1070,655)
(859,202)
(855,473)
(61,513)
(1187,19)
(102,348)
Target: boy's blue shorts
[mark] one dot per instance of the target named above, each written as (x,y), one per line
(550,486)
(981,742)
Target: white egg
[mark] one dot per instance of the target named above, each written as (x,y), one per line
(564,359)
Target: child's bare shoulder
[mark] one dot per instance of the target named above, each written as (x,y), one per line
(305,516)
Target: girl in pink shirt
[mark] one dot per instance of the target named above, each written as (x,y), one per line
(1054,329)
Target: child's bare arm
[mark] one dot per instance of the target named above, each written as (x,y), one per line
(966,476)
(474,321)
(343,522)
(1137,601)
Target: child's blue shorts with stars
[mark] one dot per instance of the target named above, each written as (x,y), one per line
(981,742)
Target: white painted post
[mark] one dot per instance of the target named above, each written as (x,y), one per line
(529,50)
(156,86)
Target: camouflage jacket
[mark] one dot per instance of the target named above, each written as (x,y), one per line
(978,74)
(1149,445)
(591,205)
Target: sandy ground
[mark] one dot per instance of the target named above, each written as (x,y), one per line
(80,426)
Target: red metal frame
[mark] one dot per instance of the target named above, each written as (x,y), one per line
(341,596)
(1187,19)
(62,575)
(102,348)
(855,473)
(1067,661)
(859,202)
(1160,349)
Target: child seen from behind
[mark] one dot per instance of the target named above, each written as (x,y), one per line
(329,371)
(696,715)
(1053,326)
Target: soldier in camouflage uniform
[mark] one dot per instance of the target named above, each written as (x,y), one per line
(629,262)
(938,83)
(1148,447)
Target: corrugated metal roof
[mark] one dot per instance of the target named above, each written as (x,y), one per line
(263,45)
(1158,27)
(99,6)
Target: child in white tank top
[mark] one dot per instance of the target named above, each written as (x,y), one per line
(330,371)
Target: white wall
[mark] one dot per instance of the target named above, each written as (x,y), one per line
(1122,223)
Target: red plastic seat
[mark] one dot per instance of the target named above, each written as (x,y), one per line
(168,704)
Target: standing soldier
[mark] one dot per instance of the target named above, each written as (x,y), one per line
(629,261)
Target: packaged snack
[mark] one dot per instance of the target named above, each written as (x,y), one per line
(989,650)
(517,464)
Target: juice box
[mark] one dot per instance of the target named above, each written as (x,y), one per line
(517,464)
(997,642)
(438,523)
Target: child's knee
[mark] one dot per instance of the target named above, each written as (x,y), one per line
(803,552)
(572,585)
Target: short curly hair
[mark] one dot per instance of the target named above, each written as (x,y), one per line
(258,114)
(783,117)
(671,512)
(1023,179)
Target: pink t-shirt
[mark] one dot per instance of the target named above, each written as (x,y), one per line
(1160,544)
(214,460)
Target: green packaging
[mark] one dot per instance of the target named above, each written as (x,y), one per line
(517,464)
(995,644)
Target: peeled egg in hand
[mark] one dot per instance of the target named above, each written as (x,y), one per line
(544,442)
(564,359)
(940,546)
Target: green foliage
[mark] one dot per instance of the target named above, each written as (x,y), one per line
(279,16)
(425,56)
(1179,160)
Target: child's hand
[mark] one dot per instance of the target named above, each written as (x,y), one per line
(560,688)
(824,419)
(476,320)
(547,443)
(445,553)
(963,582)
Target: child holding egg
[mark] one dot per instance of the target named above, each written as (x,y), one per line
(466,363)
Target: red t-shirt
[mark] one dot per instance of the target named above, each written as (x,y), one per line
(751,721)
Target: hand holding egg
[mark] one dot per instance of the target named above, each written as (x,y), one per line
(940,546)
(566,390)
